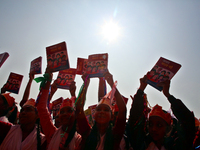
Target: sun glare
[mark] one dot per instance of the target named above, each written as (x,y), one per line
(110,31)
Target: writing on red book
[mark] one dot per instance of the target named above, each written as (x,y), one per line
(163,70)
(36,66)
(97,65)
(13,83)
(65,78)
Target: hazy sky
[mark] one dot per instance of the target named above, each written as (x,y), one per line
(148,30)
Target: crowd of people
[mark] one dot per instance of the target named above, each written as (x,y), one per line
(146,128)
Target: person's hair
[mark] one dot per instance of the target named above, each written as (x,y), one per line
(38,134)
(156,74)
(166,77)
(94,138)
(160,76)
(13,115)
(6,104)
(71,134)
(163,71)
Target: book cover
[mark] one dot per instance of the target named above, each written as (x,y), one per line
(56,106)
(114,104)
(97,65)
(36,66)
(81,66)
(163,70)
(57,57)
(13,83)
(65,77)
(3,58)
(92,108)
(89,116)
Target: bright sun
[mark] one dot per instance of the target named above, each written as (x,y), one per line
(110,31)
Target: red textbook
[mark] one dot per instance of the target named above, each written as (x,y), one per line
(56,106)
(3,58)
(36,66)
(92,107)
(65,77)
(81,66)
(114,104)
(97,65)
(163,70)
(57,57)
(13,83)
(89,116)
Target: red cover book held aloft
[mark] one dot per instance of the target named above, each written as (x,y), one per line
(92,107)
(57,57)
(3,58)
(13,83)
(65,77)
(56,106)
(89,116)
(81,66)
(36,66)
(163,70)
(97,65)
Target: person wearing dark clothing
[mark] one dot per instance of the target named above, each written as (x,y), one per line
(159,135)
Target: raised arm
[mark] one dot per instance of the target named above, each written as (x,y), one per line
(120,122)
(44,115)
(27,90)
(53,90)
(136,112)
(72,89)
(3,89)
(136,121)
(83,125)
(182,113)
(81,99)
(101,90)
(119,100)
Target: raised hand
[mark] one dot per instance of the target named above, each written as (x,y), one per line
(86,80)
(3,89)
(166,86)
(72,88)
(54,86)
(109,78)
(49,71)
(31,76)
(143,83)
